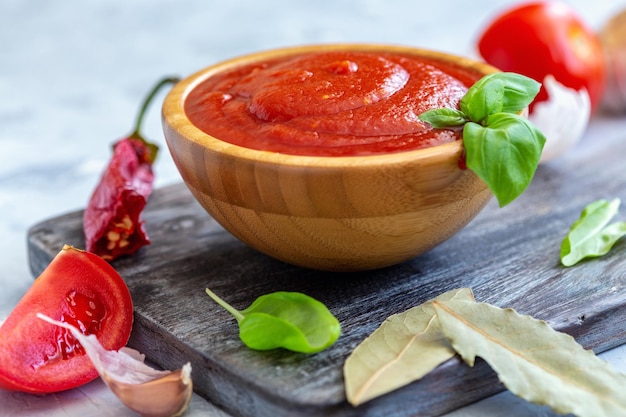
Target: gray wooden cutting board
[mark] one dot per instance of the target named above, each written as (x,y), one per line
(509,257)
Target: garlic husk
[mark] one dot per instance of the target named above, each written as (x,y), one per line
(147,391)
(563,118)
(613,39)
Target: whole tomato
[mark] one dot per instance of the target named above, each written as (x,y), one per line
(541,38)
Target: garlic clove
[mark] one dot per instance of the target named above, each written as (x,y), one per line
(563,118)
(147,391)
(166,396)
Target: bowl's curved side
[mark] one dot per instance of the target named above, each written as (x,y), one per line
(350,218)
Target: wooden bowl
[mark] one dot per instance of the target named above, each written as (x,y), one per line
(344,213)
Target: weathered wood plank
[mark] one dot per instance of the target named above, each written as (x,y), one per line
(508,256)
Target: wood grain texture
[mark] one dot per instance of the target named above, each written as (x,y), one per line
(328,213)
(509,257)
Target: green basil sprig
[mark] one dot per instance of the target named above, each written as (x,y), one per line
(289,320)
(589,236)
(501,147)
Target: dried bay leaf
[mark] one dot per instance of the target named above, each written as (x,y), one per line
(532,360)
(404,348)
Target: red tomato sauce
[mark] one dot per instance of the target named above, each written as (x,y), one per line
(338,103)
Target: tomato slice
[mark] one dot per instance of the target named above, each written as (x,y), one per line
(78,288)
(542,38)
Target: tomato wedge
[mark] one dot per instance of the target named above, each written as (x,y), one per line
(78,288)
(546,37)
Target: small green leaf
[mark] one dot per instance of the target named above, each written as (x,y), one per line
(440,118)
(289,320)
(504,153)
(505,92)
(590,236)
(483,98)
(519,91)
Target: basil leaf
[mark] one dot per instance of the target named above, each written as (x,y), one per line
(441,118)
(483,98)
(289,320)
(501,147)
(519,91)
(505,92)
(504,153)
(588,237)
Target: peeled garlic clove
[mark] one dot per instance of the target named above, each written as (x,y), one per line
(563,118)
(613,39)
(147,391)
(162,397)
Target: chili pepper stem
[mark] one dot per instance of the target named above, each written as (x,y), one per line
(236,313)
(144,107)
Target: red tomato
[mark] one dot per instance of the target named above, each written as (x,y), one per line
(79,288)
(541,38)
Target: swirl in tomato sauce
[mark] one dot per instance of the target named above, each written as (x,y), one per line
(340,103)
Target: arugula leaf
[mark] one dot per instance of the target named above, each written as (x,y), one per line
(589,236)
(501,147)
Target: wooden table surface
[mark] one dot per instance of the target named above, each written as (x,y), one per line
(508,256)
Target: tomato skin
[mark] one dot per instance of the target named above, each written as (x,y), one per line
(77,287)
(540,38)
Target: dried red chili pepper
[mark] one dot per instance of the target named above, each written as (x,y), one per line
(112,220)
